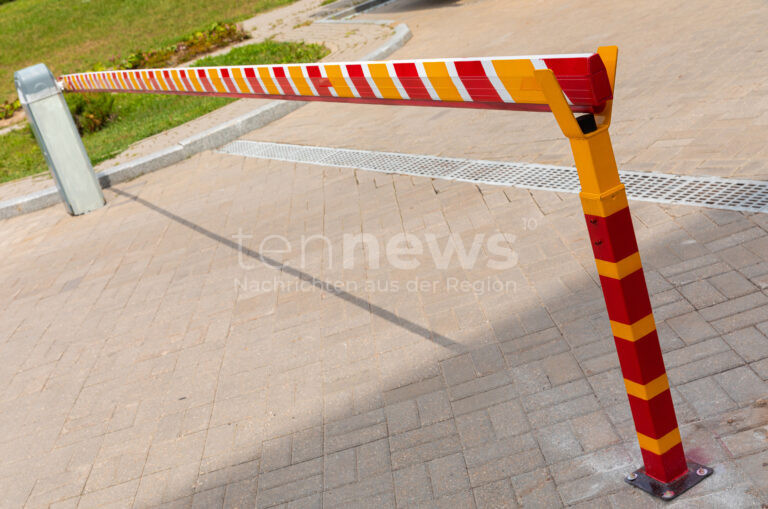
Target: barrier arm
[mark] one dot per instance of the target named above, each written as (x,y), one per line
(666,473)
(567,85)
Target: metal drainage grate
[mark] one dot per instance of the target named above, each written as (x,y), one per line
(714,192)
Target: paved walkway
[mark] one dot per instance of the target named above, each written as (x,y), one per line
(149,359)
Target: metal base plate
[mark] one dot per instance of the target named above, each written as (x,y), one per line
(696,474)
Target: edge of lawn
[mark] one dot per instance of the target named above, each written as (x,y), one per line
(205,140)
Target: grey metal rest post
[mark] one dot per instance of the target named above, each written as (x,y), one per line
(59,140)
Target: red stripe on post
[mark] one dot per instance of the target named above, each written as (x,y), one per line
(613,237)
(285,84)
(411,81)
(169,81)
(653,418)
(204,81)
(476,82)
(140,80)
(153,80)
(316,77)
(665,467)
(627,298)
(185,80)
(250,76)
(583,80)
(357,77)
(227,79)
(641,360)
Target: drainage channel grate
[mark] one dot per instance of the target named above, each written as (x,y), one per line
(714,192)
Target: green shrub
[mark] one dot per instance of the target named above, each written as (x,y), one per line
(8,108)
(91,111)
(217,36)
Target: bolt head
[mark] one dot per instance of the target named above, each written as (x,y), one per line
(702,471)
(632,476)
(668,494)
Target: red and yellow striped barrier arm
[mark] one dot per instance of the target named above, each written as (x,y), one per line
(491,83)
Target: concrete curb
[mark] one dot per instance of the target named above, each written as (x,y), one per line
(206,140)
(356,9)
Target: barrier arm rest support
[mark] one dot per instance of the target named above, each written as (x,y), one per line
(666,473)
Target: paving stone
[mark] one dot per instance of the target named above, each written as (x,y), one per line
(707,397)
(403,416)
(373,458)
(503,458)
(412,485)
(749,343)
(276,453)
(339,468)
(458,369)
(732,284)
(495,495)
(536,489)
(742,385)
(691,327)
(434,407)
(558,442)
(448,475)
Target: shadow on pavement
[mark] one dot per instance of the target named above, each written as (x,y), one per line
(317,283)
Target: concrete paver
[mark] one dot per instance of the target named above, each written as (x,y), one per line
(151,360)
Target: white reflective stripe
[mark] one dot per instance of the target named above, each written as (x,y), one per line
(371,83)
(308,80)
(274,80)
(425,80)
(454,74)
(490,72)
(350,84)
(396,81)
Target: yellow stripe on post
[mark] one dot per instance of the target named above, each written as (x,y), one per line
(518,78)
(237,77)
(147,82)
(297,77)
(635,331)
(437,73)
(192,77)
(161,81)
(132,77)
(620,269)
(176,77)
(266,78)
(213,75)
(648,391)
(606,203)
(380,76)
(338,82)
(660,445)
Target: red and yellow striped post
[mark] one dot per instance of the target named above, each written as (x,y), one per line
(604,201)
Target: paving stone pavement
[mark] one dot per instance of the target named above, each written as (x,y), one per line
(154,356)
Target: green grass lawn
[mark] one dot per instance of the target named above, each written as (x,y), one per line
(142,115)
(73,36)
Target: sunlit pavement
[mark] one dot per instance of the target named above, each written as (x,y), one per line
(189,345)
